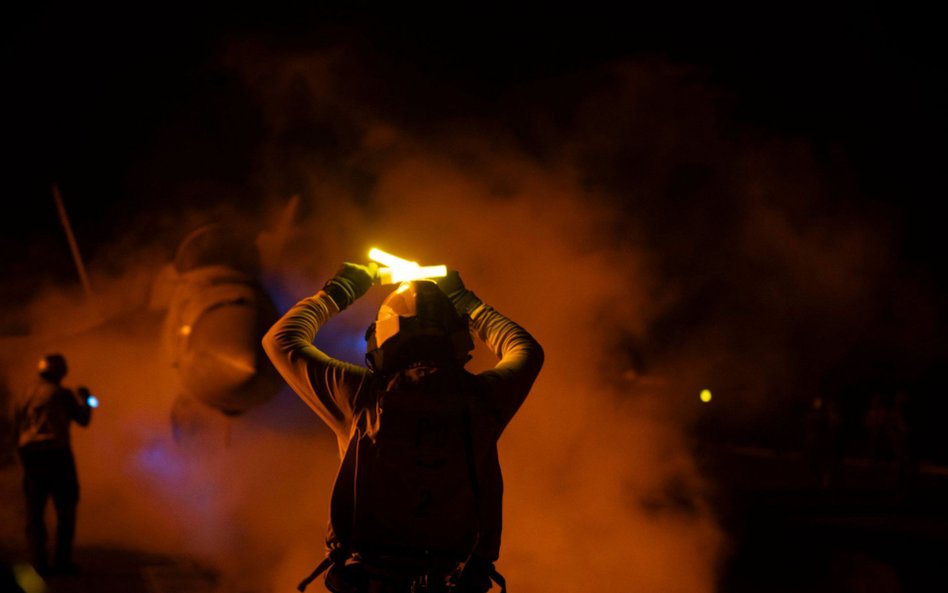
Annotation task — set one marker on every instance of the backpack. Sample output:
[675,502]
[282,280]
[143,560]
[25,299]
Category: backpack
[408,484]
[414,488]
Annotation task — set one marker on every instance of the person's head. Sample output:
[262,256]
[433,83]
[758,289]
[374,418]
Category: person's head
[417,324]
[53,367]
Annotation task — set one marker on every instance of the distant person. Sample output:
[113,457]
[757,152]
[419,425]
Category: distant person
[416,505]
[42,419]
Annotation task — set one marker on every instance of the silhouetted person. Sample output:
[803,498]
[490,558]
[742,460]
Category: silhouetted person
[42,419]
[416,505]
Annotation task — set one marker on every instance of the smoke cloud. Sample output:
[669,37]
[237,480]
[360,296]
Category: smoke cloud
[652,246]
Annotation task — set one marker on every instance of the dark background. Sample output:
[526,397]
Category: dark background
[89,89]
[94,96]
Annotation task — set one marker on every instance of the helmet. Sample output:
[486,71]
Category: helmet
[53,367]
[417,323]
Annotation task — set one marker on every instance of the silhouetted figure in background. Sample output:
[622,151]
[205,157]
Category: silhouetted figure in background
[823,441]
[416,505]
[42,419]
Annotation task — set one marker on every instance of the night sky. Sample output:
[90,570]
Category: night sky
[133,109]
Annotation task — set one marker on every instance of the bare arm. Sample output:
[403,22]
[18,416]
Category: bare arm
[79,408]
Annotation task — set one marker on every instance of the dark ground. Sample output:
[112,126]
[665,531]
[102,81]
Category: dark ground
[866,533]
[789,535]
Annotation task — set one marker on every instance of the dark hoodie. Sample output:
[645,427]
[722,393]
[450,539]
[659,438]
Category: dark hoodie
[346,396]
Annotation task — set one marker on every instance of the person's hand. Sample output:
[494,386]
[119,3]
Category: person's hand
[351,282]
[450,283]
[83,393]
[464,300]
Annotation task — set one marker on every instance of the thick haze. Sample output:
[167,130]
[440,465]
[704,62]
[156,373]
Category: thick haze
[626,213]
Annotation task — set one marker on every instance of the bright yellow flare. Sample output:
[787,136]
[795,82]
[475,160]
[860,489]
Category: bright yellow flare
[387,259]
[404,274]
[403,270]
[705,395]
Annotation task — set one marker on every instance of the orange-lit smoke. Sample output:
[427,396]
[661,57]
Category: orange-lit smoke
[585,225]
[601,491]
[635,218]
[231,498]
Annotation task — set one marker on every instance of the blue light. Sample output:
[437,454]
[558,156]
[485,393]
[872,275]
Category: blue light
[161,462]
[93,401]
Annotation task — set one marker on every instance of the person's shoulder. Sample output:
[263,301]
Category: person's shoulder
[62,393]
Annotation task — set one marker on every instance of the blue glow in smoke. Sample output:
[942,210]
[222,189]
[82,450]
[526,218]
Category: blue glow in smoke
[162,463]
[93,401]
[343,343]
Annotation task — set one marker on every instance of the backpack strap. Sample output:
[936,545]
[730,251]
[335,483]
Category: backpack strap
[483,572]
[335,556]
[320,569]
[498,578]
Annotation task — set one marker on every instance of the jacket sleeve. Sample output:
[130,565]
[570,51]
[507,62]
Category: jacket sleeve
[521,359]
[327,385]
[79,409]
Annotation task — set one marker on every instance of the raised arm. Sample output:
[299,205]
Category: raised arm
[329,386]
[520,355]
[79,408]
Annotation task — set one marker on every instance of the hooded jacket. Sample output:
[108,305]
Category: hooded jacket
[45,412]
[346,396]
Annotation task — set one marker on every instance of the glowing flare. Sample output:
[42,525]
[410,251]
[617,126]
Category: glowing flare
[705,395]
[403,270]
[387,259]
[396,275]
[93,401]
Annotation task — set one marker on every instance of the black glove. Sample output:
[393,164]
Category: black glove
[464,300]
[350,282]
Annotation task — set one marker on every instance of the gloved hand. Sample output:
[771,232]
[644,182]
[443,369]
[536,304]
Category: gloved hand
[350,282]
[463,299]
